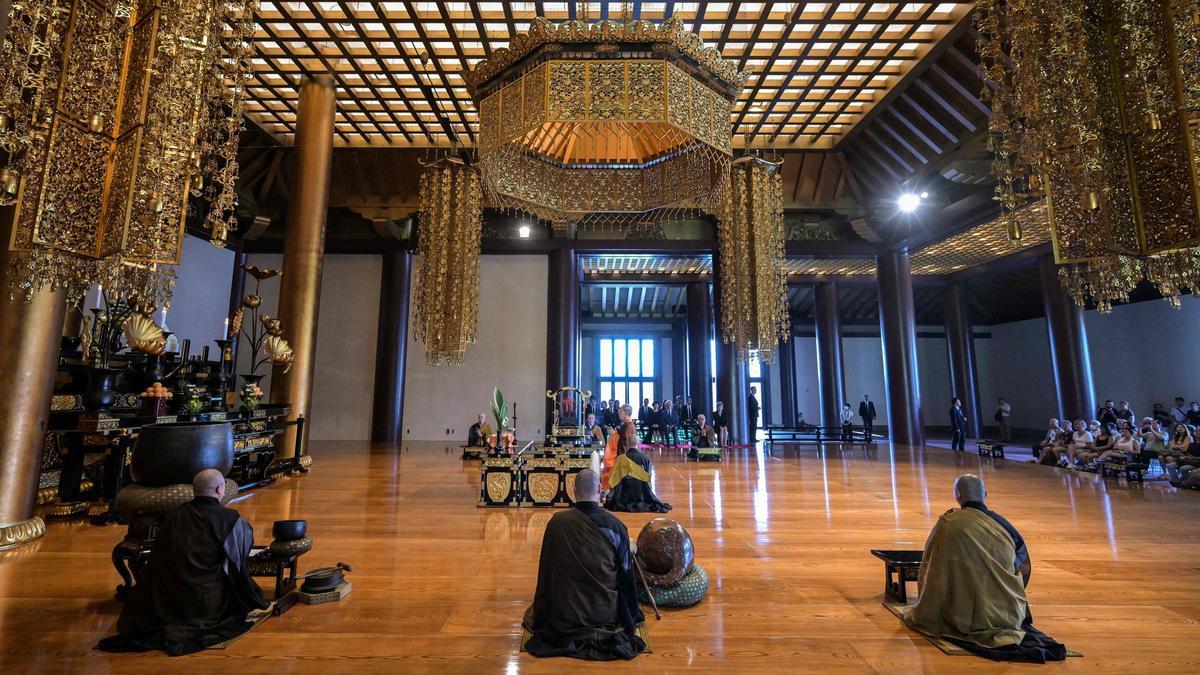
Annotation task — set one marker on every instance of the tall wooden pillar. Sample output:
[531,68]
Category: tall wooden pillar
[562,324]
[831,375]
[30,335]
[1068,346]
[897,322]
[387,416]
[699,339]
[786,362]
[731,375]
[303,249]
[960,347]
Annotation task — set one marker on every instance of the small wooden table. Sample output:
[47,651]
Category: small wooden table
[899,567]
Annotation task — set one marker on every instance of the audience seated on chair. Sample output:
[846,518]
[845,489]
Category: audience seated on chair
[974,571]
[720,423]
[706,437]
[478,434]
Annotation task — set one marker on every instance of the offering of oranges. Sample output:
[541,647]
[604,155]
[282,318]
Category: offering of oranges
[157,390]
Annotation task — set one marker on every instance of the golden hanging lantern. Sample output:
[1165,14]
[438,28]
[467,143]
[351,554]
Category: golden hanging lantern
[750,240]
[611,117]
[450,226]
[1100,99]
[109,97]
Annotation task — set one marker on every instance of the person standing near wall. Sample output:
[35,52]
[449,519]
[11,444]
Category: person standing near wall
[1003,412]
[958,425]
[752,408]
[866,410]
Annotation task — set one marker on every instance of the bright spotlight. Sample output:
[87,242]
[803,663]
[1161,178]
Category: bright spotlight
[909,202]
[523,231]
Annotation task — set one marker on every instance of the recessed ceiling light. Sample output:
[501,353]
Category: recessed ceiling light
[523,231]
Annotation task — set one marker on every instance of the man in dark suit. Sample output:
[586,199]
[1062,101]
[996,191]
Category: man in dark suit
[668,420]
[958,425]
[752,409]
[866,410]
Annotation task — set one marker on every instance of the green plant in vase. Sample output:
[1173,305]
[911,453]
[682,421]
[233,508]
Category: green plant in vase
[500,414]
[193,398]
[250,396]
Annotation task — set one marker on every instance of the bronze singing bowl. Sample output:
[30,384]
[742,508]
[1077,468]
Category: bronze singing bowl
[665,551]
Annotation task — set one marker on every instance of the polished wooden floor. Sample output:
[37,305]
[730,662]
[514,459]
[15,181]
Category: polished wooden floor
[440,585]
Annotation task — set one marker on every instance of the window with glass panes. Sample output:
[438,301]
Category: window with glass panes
[628,369]
[754,372]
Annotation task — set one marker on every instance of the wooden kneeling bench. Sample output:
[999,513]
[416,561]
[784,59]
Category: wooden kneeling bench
[1132,470]
[899,568]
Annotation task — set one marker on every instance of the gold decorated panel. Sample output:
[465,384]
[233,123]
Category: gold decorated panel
[90,78]
[511,103]
[606,89]
[647,91]
[570,484]
[137,82]
[679,98]
[499,485]
[542,462]
[498,462]
[535,97]
[76,158]
[567,91]
[120,196]
[489,123]
[543,487]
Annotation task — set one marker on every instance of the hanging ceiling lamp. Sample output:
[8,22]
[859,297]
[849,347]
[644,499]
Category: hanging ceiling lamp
[106,102]
[611,117]
[753,283]
[1096,109]
[450,224]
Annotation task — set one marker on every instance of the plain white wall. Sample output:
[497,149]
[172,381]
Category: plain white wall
[347,324]
[510,354]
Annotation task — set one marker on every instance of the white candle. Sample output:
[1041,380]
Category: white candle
[163,321]
[225,332]
[99,295]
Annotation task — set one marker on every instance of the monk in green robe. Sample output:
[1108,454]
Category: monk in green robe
[972,583]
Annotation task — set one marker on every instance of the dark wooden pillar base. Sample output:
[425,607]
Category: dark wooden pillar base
[387,416]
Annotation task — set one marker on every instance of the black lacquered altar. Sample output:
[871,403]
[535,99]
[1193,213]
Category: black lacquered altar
[543,476]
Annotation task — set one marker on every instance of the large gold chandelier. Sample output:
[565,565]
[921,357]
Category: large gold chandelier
[610,117]
[1096,109]
[448,235]
[102,105]
[753,284]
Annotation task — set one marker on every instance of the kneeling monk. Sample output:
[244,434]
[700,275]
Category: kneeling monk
[973,576]
[629,481]
[586,603]
[195,591]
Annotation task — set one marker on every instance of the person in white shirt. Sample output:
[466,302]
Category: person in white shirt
[1048,440]
[847,422]
[1081,440]
[1003,411]
[1179,414]
[1125,447]
[1154,439]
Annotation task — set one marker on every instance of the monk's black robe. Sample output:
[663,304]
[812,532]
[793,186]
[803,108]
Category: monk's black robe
[586,601]
[195,591]
[632,493]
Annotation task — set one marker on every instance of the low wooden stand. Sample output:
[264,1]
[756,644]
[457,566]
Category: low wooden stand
[899,568]
[1133,470]
[991,449]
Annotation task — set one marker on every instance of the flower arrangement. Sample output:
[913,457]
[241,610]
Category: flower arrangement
[262,333]
[250,396]
[193,398]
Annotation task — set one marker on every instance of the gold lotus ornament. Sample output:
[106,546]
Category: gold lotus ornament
[143,335]
[279,352]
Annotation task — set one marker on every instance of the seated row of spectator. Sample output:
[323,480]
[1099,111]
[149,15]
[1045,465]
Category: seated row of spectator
[1085,444]
[1181,412]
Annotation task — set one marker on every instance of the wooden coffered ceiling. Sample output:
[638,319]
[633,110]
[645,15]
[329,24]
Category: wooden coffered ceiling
[817,68]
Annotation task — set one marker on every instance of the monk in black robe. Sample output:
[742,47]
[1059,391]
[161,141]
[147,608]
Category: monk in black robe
[973,575]
[629,481]
[586,602]
[195,591]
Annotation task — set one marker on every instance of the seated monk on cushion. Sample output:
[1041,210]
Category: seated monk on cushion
[195,591]
[973,576]
[586,603]
[706,437]
[629,482]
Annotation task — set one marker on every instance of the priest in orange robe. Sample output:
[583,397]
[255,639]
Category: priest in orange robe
[625,420]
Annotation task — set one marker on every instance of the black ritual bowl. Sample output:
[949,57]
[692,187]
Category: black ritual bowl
[167,454]
[289,530]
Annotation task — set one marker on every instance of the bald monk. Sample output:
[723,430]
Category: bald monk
[586,603]
[973,575]
[195,591]
[611,450]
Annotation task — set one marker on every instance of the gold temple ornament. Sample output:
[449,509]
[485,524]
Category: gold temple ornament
[106,101]
[750,239]
[449,229]
[1096,111]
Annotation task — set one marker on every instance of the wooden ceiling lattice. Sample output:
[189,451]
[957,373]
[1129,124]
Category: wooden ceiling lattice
[816,67]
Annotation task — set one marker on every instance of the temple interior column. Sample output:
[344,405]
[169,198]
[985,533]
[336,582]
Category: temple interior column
[699,339]
[303,249]
[785,361]
[562,323]
[387,415]
[831,375]
[1069,357]
[30,335]
[960,347]
[237,291]
[731,375]
[899,331]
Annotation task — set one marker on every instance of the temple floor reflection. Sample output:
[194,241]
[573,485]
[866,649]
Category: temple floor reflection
[784,533]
